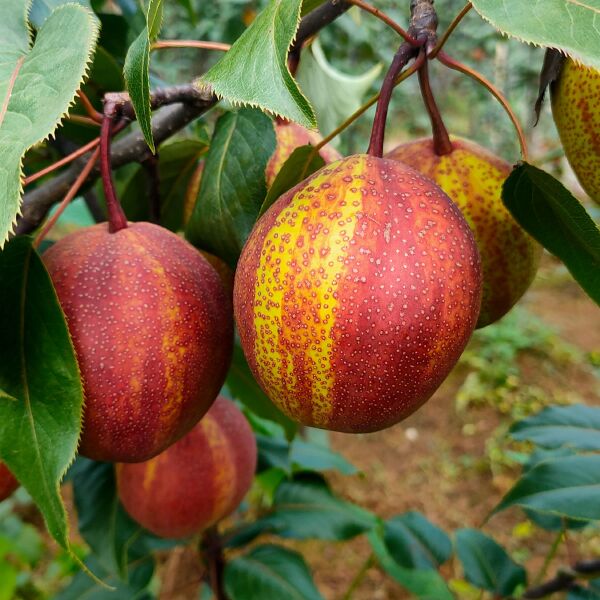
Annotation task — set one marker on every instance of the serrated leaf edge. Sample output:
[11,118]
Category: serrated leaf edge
[577,59]
[205,86]
[88,63]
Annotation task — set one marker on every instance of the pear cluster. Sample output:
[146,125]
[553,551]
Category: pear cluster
[354,296]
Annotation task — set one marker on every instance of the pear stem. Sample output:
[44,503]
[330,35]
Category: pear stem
[459,17]
[441,140]
[116,217]
[401,58]
[404,75]
[457,66]
[212,548]
[386,19]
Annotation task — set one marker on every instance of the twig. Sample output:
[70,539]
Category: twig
[160,44]
[89,107]
[386,19]
[565,578]
[82,119]
[190,102]
[457,66]
[69,196]
[459,17]
[550,556]
[212,549]
[423,25]
[63,161]
[359,577]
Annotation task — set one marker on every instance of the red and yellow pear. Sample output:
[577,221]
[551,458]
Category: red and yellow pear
[473,177]
[289,136]
[356,293]
[152,329]
[197,481]
[576,110]
[8,483]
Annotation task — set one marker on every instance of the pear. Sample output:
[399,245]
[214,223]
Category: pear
[195,482]
[356,293]
[152,329]
[473,177]
[576,110]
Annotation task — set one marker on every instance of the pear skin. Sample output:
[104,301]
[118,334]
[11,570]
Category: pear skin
[473,177]
[576,110]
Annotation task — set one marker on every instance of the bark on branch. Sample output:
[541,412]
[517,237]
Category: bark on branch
[565,579]
[186,103]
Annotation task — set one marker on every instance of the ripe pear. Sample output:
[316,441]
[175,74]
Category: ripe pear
[153,332]
[8,483]
[356,293]
[576,110]
[290,136]
[195,482]
[473,177]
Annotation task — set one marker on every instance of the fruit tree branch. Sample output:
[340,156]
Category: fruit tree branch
[423,26]
[187,103]
[565,578]
[212,549]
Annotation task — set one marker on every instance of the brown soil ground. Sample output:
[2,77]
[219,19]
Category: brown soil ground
[429,473]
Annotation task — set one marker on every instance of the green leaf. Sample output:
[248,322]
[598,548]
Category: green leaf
[233,183]
[255,72]
[116,540]
[416,543]
[137,80]
[41,9]
[243,387]
[576,426]
[299,455]
[154,19]
[544,520]
[303,161]
[38,432]
[134,588]
[550,213]
[269,571]
[570,25]
[314,457]
[487,565]
[580,593]
[424,584]
[334,95]
[8,580]
[565,486]
[310,5]
[37,85]
[137,70]
[588,593]
[305,508]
